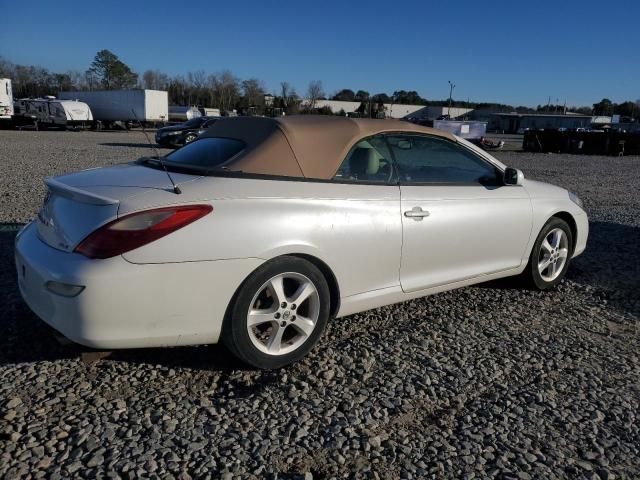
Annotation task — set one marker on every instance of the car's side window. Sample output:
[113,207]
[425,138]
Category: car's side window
[368,161]
[426,159]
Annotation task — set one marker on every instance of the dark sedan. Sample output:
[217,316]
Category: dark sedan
[176,135]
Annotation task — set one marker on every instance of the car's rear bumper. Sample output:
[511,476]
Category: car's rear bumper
[125,305]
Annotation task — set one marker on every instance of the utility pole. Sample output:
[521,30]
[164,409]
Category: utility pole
[393,99]
[451,87]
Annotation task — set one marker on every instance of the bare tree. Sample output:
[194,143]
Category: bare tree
[155,80]
[314,93]
[289,98]
[212,82]
[197,79]
[226,90]
[78,80]
[253,90]
[91,80]
[178,91]
[6,68]
[285,91]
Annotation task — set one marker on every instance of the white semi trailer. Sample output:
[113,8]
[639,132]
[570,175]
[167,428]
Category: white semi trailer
[108,106]
[6,100]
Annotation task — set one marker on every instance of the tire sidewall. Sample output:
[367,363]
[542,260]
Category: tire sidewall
[537,279]
[235,334]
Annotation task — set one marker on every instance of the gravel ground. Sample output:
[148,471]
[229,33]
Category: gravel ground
[488,381]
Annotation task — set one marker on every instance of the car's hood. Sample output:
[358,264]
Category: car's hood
[538,189]
[174,128]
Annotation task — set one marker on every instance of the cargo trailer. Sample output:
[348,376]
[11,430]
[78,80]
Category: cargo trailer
[209,112]
[129,106]
[50,112]
[6,100]
[180,113]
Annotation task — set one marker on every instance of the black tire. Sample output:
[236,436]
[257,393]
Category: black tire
[235,334]
[189,137]
[532,275]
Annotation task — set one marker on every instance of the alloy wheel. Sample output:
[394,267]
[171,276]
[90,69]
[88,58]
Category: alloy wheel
[283,313]
[553,254]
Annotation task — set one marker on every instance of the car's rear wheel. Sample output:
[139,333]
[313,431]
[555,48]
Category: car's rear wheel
[550,255]
[278,314]
[190,137]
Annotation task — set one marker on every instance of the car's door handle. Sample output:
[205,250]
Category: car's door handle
[416,213]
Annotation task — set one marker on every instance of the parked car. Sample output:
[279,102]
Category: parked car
[183,133]
[274,226]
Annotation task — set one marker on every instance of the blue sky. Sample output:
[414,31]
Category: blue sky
[517,52]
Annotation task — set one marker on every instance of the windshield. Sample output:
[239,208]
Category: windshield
[194,122]
[205,153]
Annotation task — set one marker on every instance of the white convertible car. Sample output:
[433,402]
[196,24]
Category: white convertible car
[262,229]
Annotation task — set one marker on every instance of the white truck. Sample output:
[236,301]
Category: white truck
[6,100]
[148,107]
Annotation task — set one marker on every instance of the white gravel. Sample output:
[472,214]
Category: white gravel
[489,381]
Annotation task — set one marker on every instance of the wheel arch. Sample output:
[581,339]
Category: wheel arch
[567,217]
[332,281]
[543,220]
[327,273]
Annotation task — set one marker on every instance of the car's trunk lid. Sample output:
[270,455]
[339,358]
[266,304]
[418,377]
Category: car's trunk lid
[77,204]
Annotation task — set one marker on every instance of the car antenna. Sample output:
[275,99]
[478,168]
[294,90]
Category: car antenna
[175,189]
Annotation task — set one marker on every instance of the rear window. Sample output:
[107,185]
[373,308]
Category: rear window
[205,153]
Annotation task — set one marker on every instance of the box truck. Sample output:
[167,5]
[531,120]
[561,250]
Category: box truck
[150,107]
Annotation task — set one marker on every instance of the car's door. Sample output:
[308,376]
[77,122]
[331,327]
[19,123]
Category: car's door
[459,220]
[365,204]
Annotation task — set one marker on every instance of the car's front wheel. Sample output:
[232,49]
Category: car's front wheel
[278,314]
[550,256]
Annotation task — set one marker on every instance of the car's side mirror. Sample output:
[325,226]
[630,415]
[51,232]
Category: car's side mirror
[513,176]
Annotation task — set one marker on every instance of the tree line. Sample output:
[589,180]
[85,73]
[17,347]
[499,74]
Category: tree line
[226,91]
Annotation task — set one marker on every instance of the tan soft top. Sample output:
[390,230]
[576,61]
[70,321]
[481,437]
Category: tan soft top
[310,146]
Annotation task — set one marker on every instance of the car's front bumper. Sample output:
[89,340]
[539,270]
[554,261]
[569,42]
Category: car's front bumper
[582,230]
[170,140]
[125,305]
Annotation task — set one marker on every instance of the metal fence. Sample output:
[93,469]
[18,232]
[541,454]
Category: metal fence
[586,143]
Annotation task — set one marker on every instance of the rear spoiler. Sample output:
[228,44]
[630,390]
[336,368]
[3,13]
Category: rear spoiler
[77,194]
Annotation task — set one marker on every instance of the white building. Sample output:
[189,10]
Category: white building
[393,110]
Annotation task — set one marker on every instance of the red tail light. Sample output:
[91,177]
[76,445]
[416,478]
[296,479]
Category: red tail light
[138,229]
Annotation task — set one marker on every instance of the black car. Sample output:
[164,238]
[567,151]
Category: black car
[176,135]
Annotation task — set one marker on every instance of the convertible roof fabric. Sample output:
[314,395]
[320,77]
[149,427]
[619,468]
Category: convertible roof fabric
[309,146]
